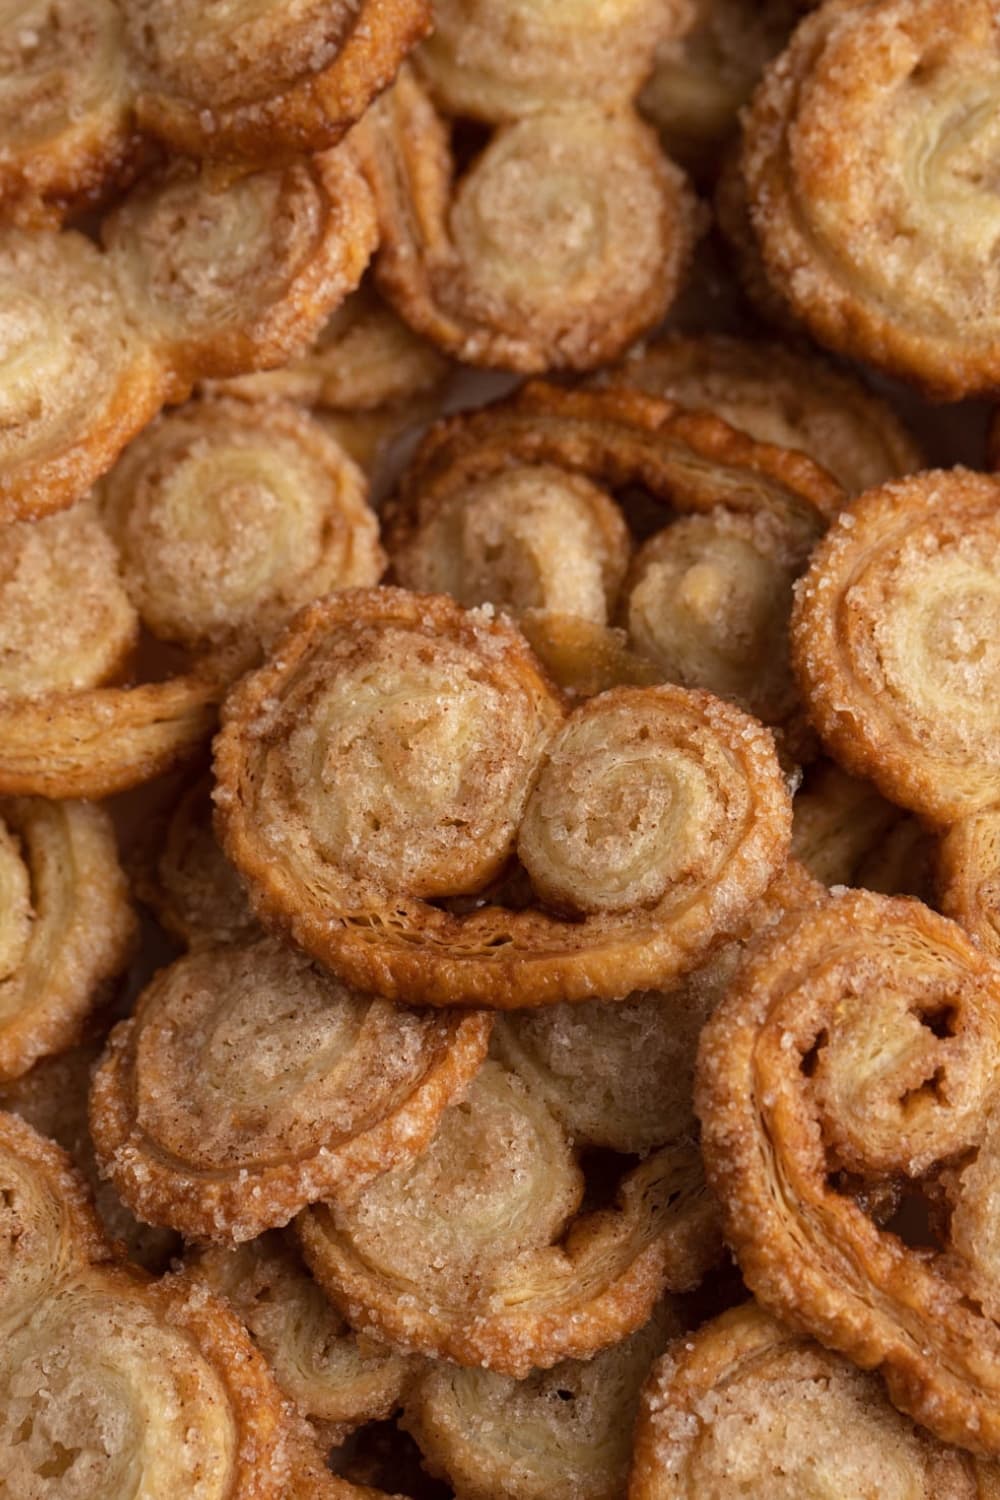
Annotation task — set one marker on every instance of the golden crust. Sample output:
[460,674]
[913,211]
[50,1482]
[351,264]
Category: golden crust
[53,1099]
[201,276]
[556,248]
[261,80]
[845,833]
[969,877]
[499,60]
[894,641]
[201,1126]
[857,1055]
[345,864]
[228,515]
[105,1375]
[66,925]
[747,1405]
[335,1379]
[781,396]
[83,81]
[914,289]
[561,1434]
[486,1259]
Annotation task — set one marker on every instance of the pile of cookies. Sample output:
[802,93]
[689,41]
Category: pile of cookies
[499,867]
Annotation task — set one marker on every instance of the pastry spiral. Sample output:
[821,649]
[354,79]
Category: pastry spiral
[556,248]
[895,641]
[498,60]
[247,1084]
[111,1384]
[53,1098]
[913,286]
[747,1406]
[335,1379]
[389,753]
[781,396]
[528,538]
[969,877]
[853,1063]
[561,1434]
[228,515]
[66,925]
[63,102]
[201,276]
[194,891]
[483,1257]
[705,74]
[846,834]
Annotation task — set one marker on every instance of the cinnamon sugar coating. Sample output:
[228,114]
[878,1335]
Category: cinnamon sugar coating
[347,861]
[83,81]
[201,275]
[852,1066]
[248,1084]
[895,639]
[486,1258]
[866,159]
[109,1379]
[559,1434]
[563,241]
[749,1406]
[66,925]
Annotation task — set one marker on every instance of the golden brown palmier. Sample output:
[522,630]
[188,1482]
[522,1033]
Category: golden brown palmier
[201,275]
[584,658]
[895,641]
[484,1257]
[451,711]
[749,1406]
[53,1098]
[912,84]
[560,1434]
[781,396]
[707,71]
[969,877]
[845,833]
[192,888]
[228,515]
[562,242]
[856,1061]
[66,925]
[109,1380]
[499,60]
[533,538]
[248,1084]
[82,80]
[336,1380]
[64,731]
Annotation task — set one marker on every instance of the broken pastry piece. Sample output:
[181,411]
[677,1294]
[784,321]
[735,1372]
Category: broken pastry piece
[912,85]
[66,925]
[398,750]
[201,275]
[848,1088]
[559,1434]
[748,1406]
[969,877]
[491,1258]
[336,1379]
[109,1379]
[846,833]
[82,81]
[895,641]
[563,241]
[248,1084]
